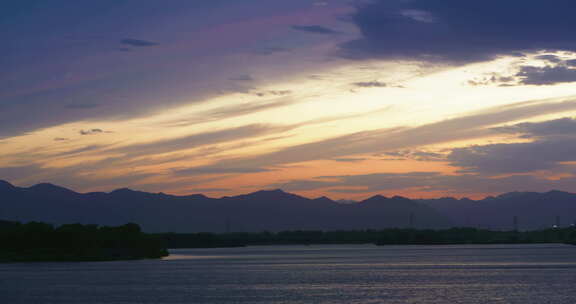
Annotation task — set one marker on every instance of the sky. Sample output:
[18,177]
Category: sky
[337,98]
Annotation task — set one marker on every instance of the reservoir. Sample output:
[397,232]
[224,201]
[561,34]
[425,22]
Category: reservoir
[347,274]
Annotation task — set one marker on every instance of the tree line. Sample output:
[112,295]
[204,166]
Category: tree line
[395,236]
[38,241]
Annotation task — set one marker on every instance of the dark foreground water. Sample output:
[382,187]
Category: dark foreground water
[493,274]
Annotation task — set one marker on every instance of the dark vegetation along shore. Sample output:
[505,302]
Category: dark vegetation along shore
[36,241]
[379,237]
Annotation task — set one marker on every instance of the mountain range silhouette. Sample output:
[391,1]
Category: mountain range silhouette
[275,210]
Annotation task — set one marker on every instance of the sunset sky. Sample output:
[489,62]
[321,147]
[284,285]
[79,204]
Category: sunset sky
[421,98]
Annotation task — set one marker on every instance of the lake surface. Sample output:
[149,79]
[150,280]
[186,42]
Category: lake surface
[523,274]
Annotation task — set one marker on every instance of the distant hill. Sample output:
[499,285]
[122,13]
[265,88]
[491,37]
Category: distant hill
[272,210]
[276,210]
[532,210]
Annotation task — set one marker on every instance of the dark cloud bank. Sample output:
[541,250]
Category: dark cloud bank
[553,145]
[461,31]
[552,70]
[548,75]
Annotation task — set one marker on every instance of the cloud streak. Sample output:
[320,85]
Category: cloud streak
[231,111]
[315,29]
[370,84]
[475,125]
[92,131]
[227,135]
[199,139]
[138,42]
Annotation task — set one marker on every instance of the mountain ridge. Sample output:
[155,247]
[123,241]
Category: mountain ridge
[275,209]
[4,184]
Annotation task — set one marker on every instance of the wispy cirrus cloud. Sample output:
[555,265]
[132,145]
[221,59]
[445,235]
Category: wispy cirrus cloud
[475,125]
[231,111]
[198,139]
[228,135]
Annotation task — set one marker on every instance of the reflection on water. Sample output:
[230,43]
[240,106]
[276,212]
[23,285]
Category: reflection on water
[537,274]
